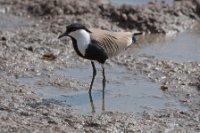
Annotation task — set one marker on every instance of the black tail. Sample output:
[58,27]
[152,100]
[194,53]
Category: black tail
[134,36]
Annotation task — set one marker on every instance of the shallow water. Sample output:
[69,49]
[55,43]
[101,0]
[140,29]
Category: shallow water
[124,92]
[138,2]
[183,47]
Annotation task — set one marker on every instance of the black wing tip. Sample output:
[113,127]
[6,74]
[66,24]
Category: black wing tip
[138,33]
[134,36]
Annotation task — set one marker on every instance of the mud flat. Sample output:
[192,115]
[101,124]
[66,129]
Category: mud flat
[40,74]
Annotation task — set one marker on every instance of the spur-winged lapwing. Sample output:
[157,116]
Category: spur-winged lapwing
[98,45]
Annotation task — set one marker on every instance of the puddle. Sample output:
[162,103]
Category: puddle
[138,2]
[10,22]
[183,47]
[78,73]
[123,93]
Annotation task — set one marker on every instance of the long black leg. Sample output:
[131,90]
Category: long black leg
[93,77]
[104,85]
[91,84]
[104,77]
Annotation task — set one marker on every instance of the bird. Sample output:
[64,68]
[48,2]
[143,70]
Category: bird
[98,45]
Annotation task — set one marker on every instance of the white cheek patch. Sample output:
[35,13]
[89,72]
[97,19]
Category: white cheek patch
[83,39]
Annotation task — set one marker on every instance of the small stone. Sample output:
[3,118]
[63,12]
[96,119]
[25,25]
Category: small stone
[124,17]
[3,38]
[185,100]
[164,88]
[30,48]
[49,57]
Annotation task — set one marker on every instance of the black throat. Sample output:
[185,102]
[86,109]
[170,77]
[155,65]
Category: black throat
[74,42]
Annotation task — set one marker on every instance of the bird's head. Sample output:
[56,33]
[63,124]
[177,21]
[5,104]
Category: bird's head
[75,30]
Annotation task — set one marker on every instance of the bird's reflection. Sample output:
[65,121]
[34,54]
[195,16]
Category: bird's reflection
[91,103]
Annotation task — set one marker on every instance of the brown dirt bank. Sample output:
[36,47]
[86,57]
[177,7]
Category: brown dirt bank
[152,18]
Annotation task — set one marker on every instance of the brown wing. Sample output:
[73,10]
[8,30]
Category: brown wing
[112,42]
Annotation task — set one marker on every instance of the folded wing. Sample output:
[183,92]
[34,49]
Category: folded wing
[112,42]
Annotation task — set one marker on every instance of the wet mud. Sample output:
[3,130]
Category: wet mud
[150,88]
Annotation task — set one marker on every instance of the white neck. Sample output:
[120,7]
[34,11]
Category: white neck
[83,39]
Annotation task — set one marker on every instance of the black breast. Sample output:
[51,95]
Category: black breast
[95,52]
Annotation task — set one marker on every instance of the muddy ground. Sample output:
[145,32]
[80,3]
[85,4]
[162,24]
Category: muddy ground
[28,34]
